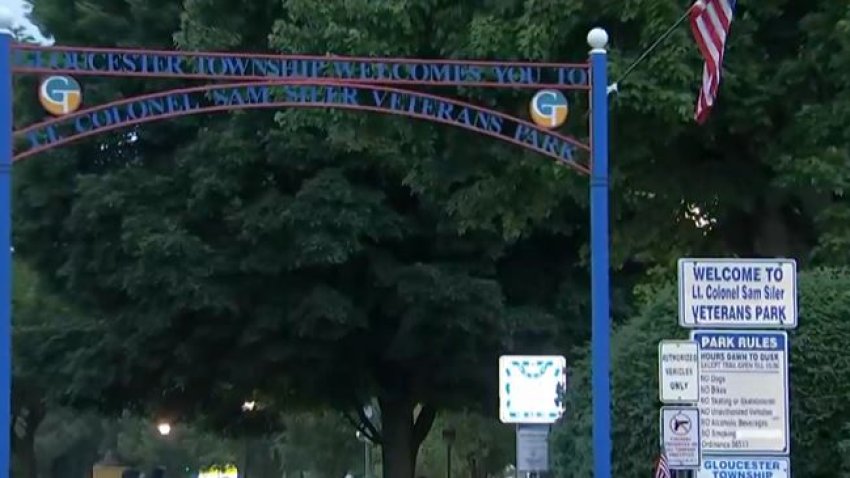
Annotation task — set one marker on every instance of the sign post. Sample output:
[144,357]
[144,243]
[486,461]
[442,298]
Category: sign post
[530,396]
[599,255]
[532,449]
[5,236]
[744,391]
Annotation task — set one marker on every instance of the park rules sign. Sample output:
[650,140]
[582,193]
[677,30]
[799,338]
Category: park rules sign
[738,293]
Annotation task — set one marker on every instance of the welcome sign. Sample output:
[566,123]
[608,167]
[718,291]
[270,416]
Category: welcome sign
[113,62]
[228,97]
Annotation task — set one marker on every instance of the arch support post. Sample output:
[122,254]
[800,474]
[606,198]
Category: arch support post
[5,240]
[599,256]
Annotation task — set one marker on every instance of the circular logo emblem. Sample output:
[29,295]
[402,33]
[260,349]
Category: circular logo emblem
[60,95]
[549,108]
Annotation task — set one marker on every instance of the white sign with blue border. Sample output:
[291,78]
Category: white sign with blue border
[744,466]
[531,388]
[738,293]
[680,436]
[743,392]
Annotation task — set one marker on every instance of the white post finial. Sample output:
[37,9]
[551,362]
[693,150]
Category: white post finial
[597,39]
[7,20]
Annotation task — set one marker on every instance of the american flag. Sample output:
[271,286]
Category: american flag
[661,468]
[710,23]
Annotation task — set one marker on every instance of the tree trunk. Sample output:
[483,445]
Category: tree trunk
[398,449]
[29,464]
[401,435]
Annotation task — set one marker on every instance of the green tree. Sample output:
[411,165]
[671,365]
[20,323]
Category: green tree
[483,446]
[41,322]
[820,372]
[300,273]
[320,443]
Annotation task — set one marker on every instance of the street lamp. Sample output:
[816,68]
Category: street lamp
[449,437]
[367,455]
[248,406]
[164,428]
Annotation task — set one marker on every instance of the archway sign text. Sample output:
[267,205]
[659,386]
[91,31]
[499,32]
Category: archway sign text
[251,81]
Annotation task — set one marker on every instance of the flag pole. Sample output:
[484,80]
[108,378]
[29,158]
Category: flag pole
[614,87]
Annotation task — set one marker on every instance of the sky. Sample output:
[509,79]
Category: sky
[19,9]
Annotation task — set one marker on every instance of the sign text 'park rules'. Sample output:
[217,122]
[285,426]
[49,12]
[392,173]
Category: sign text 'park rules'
[738,293]
[743,392]
[745,467]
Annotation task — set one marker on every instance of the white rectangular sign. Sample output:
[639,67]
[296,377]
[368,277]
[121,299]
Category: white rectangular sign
[678,371]
[738,293]
[730,467]
[680,436]
[743,392]
[532,448]
[531,388]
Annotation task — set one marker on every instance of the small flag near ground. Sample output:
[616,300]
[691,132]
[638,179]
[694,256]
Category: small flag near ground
[661,468]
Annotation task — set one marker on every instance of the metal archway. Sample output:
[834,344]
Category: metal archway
[378,74]
[297,93]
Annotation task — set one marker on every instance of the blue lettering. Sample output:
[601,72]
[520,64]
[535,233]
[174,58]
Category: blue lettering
[572,76]
[348,96]
[237,66]
[727,273]
[181,102]
[527,135]
[474,73]
[156,106]
[756,341]
[220,97]
[258,94]
[344,69]
[566,151]
[511,74]
[550,144]
[43,136]
[294,94]
[131,111]
[379,97]
[273,67]
[463,116]
[419,72]
[130,63]
[443,73]
[444,111]
[318,68]
[82,124]
[172,65]
[395,102]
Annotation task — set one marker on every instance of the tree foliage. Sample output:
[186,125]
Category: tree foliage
[820,371]
[483,447]
[319,443]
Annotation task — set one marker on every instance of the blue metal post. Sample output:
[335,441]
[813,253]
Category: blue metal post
[599,258]
[5,240]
